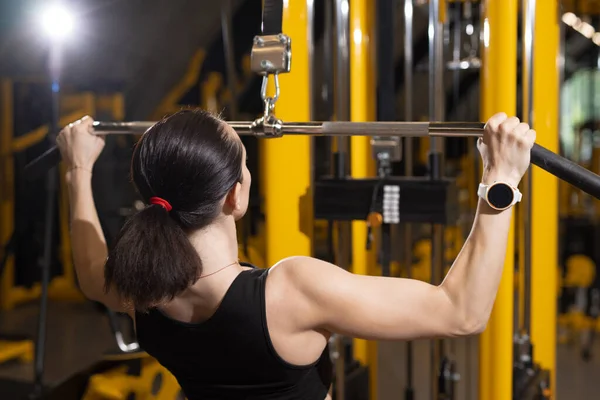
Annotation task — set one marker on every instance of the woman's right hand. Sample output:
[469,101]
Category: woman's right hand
[78,145]
[505,149]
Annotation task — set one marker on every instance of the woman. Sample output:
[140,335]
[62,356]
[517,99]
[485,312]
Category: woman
[227,331]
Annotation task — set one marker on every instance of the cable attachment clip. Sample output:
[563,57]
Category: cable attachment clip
[271,55]
[386,150]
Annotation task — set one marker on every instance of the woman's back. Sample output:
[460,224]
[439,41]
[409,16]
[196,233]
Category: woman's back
[230,355]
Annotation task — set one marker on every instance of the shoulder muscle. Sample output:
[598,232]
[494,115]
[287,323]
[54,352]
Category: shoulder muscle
[325,296]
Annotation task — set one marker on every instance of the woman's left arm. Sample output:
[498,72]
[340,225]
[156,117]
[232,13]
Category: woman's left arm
[80,148]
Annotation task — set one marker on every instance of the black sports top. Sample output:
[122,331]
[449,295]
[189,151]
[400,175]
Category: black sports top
[230,355]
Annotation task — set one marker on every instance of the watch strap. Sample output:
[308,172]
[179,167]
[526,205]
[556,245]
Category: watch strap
[481,190]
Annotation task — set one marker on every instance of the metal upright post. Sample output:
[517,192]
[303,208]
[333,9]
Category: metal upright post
[54,58]
[363,108]
[456,59]
[436,161]
[386,110]
[342,113]
[544,187]
[284,189]
[228,45]
[499,92]
[522,333]
[408,170]
[341,164]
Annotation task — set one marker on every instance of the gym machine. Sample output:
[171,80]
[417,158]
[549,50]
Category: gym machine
[340,346]
[54,67]
[580,257]
[415,200]
[407,247]
[543,158]
[530,380]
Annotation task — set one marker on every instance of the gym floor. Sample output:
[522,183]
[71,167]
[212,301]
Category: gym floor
[78,334]
[576,379]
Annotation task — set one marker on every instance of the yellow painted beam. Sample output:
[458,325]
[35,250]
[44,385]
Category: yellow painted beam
[499,93]
[188,81]
[544,193]
[113,104]
[209,93]
[35,136]
[287,161]
[362,108]
[21,350]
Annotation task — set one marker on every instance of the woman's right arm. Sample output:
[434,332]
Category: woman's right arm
[80,150]
[327,297]
[373,307]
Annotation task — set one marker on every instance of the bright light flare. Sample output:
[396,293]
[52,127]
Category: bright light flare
[58,22]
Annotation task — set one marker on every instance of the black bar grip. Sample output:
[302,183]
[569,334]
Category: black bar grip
[42,164]
[566,170]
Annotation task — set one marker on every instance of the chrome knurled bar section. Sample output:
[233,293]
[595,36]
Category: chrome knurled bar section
[328,128]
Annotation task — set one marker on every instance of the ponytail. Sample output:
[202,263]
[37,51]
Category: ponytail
[152,260]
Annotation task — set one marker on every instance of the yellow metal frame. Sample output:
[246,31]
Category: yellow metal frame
[9,350]
[209,92]
[246,76]
[61,287]
[287,191]
[362,165]
[544,190]
[21,350]
[7,185]
[113,103]
[498,93]
[117,384]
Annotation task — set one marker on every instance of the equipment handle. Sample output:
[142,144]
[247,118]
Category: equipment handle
[566,170]
[43,163]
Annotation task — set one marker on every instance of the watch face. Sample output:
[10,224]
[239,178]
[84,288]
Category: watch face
[500,195]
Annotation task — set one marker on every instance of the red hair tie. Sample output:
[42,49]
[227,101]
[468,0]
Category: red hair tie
[161,202]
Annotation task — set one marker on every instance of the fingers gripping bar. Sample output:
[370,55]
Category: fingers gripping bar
[558,166]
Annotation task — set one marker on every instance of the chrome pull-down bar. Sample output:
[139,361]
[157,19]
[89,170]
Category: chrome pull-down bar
[327,128]
[558,166]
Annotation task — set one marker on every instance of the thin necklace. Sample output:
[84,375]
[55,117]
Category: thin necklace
[219,270]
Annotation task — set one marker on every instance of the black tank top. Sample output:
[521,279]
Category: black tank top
[230,355]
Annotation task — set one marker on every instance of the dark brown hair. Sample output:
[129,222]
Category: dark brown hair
[190,160]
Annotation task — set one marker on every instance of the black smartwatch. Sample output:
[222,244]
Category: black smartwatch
[499,195]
